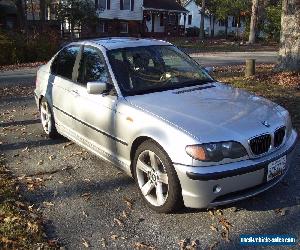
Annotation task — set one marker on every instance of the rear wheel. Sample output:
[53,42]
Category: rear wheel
[47,119]
[156,178]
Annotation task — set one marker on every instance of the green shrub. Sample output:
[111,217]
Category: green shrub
[272,25]
[192,31]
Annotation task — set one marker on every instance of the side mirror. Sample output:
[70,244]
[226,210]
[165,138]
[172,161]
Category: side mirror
[96,87]
[209,69]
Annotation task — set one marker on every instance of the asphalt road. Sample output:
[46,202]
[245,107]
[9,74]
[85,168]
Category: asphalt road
[83,199]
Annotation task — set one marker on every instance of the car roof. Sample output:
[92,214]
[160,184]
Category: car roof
[111,43]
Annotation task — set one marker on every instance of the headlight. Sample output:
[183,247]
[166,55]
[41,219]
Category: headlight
[215,152]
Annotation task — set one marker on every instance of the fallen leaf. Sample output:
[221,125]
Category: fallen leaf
[214,245]
[40,162]
[128,202]
[219,212]
[114,237]
[52,157]
[225,223]
[214,228]
[103,243]
[86,196]
[183,243]
[68,144]
[142,245]
[119,222]
[124,214]
[33,227]
[48,204]
[225,235]
[281,211]
[20,204]
[211,213]
[85,243]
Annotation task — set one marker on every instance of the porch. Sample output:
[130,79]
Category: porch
[162,18]
[162,23]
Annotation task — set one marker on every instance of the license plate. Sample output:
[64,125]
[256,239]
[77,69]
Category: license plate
[276,168]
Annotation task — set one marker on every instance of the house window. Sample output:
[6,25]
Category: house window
[172,19]
[190,19]
[123,27]
[126,4]
[161,21]
[235,22]
[102,4]
[221,23]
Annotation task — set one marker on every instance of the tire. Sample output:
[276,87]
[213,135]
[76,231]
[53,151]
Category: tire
[156,178]
[47,119]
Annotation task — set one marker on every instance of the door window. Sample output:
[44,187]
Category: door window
[64,62]
[92,67]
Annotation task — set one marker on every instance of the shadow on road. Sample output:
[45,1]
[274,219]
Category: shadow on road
[22,122]
[32,144]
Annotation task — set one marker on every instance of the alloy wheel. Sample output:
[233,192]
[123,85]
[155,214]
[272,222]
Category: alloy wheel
[46,117]
[152,178]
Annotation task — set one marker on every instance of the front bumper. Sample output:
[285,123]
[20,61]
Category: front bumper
[238,180]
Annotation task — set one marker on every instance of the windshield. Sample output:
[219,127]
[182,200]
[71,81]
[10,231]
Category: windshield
[141,70]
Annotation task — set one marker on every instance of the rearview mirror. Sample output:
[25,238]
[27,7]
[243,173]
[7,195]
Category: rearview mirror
[96,87]
[209,69]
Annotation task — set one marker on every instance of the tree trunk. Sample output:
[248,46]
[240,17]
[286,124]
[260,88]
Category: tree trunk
[22,20]
[201,33]
[213,27]
[289,52]
[226,28]
[42,10]
[253,23]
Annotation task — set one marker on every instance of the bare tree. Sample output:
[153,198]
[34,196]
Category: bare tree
[253,23]
[289,52]
[21,15]
[202,33]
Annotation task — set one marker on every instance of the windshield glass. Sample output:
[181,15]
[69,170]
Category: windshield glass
[141,70]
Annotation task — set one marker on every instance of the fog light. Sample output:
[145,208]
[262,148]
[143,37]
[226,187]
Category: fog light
[216,189]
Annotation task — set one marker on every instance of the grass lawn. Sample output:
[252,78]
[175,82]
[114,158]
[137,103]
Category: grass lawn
[193,44]
[282,88]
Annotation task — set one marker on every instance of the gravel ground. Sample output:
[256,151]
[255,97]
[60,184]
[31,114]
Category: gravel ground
[88,202]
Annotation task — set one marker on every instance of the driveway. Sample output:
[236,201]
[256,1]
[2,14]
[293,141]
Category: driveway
[88,202]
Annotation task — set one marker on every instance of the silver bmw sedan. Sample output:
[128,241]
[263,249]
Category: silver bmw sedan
[152,111]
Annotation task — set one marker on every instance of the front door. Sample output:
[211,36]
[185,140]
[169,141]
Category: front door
[95,113]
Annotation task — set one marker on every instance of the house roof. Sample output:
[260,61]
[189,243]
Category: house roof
[168,5]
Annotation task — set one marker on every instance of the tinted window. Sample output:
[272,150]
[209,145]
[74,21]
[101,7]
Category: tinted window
[92,67]
[64,62]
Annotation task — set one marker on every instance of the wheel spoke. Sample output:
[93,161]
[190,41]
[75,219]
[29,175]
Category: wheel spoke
[153,160]
[163,177]
[142,166]
[159,194]
[147,188]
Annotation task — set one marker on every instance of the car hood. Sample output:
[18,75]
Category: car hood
[212,112]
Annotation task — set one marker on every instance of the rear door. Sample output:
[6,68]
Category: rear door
[62,76]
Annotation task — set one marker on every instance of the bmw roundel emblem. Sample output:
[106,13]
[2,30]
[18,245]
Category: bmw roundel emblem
[265,123]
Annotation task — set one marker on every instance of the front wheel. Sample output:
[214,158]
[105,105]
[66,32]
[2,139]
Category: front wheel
[156,178]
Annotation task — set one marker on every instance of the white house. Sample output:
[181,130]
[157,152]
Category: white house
[139,17]
[193,18]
